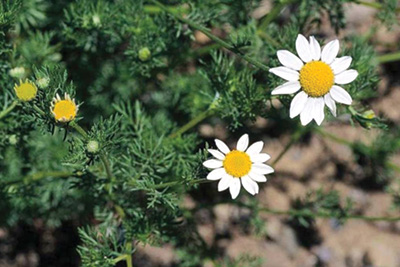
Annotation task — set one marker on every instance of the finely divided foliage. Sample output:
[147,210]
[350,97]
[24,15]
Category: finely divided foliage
[100,101]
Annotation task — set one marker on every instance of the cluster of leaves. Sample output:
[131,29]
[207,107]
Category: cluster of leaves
[374,160]
[319,203]
[388,13]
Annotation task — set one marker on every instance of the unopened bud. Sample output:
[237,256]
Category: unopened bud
[96,20]
[92,146]
[144,54]
[369,114]
[17,72]
[12,139]
[43,82]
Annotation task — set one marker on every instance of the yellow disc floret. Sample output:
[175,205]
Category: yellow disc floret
[64,110]
[25,91]
[237,163]
[316,78]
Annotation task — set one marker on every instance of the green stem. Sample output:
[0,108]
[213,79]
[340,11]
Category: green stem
[9,109]
[295,137]
[268,38]
[151,9]
[342,141]
[169,184]
[107,166]
[393,166]
[275,11]
[41,175]
[389,57]
[204,50]
[309,213]
[192,123]
[79,129]
[128,259]
[218,40]
[373,5]
[125,257]
[38,110]
[333,137]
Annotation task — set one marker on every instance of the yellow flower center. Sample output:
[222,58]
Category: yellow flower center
[316,78]
[237,163]
[64,110]
[25,91]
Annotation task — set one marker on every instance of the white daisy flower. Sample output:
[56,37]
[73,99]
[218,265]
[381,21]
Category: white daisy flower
[241,166]
[316,72]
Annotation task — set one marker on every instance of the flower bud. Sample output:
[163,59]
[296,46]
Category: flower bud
[17,72]
[96,20]
[93,146]
[12,139]
[369,114]
[43,82]
[144,54]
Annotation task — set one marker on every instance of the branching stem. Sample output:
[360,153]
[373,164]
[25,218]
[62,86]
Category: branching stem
[321,214]
[373,5]
[275,11]
[295,137]
[174,183]
[42,175]
[38,110]
[207,32]
[333,137]
[193,122]
[9,109]
[345,142]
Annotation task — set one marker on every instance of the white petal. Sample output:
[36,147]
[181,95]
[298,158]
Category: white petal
[341,64]
[262,157]
[290,60]
[255,148]
[225,182]
[319,114]
[298,103]
[285,73]
[346,77]
[212,164]
[249,185]
[307,114]
[216,174]
[257,177]
[216,154]
[243,143]
[261,168]
[330,51]
[303,48]
[330,103]
[234,188]
[222,147]
[287,88]
[340,95]
[315,48]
